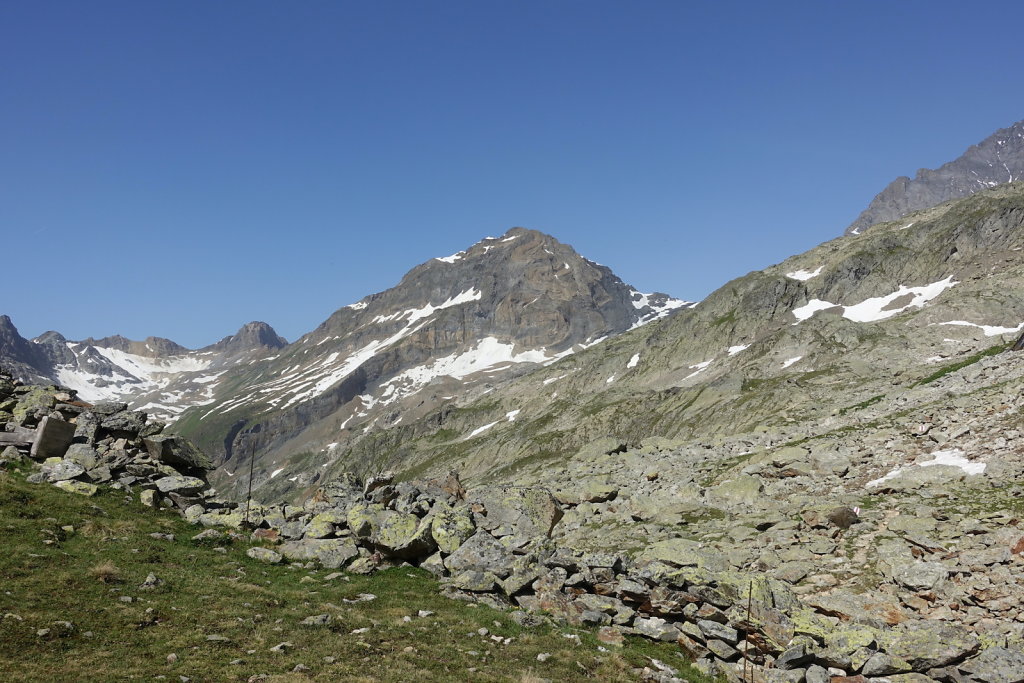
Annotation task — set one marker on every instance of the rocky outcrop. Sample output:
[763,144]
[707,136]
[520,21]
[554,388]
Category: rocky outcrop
[997,159]
[81,446]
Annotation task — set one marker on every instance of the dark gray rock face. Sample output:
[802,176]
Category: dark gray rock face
[26,360]
[254,335]
[997,159]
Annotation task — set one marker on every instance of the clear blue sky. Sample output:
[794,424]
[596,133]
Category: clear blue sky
[179,168]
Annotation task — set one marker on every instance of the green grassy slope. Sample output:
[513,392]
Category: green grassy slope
[82,560]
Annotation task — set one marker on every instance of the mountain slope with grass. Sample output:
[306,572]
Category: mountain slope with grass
[103,588]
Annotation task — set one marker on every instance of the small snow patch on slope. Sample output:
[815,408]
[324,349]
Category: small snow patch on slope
[786,363]
[877,308]
[954,457]
[480,430]
[451,259]
[633,361]
[804,275]
[733,350]
[989,330]
[511,415]
[699,368]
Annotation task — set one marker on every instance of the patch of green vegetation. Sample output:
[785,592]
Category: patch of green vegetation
[726,319]
[74,559]
[953,367]
[863,404]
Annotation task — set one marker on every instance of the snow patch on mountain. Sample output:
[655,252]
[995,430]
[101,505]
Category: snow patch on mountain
[486,355]
[480,430]
[878,308]
[953,457]
[733,350]
[988,330]
[804,275]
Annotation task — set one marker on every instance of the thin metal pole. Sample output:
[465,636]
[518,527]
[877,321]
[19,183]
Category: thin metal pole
[746,639]
[248,498]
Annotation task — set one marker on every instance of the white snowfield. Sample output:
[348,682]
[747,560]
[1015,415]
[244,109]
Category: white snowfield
[133,374]
[633,361]
[804,275]
[954,457]
[877,308]
[733,350]
[789,361]
[488,354]
[298,384]
[988,330]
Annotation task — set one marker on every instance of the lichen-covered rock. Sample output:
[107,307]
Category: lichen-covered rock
[264,555]
[474,581]
[682,552]
[741,490]
[80,487]
[929,644]
[232,519]
[62,470]
[451,527]
[363,518]
[403,536]
[483,552]
[36,398]
[324,524]
[332,553]
[516,510]
[180,484]
[996,665]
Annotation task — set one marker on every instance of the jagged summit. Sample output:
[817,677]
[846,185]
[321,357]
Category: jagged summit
[253,335]
[995,160]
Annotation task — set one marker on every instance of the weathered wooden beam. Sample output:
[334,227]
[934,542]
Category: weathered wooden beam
[52,438]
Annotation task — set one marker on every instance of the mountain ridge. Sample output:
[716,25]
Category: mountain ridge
[997,159]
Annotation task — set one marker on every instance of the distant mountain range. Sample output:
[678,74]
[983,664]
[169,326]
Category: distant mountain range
[997,159]
[505,358]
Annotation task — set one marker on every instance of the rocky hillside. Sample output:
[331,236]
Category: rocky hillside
[811,346]
[917,575]
[997,159]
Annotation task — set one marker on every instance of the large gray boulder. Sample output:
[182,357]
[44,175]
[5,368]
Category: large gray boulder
[516,510]
[481,552]
[177,451]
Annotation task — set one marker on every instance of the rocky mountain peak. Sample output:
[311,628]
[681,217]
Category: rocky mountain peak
[251,336]
[995,160]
